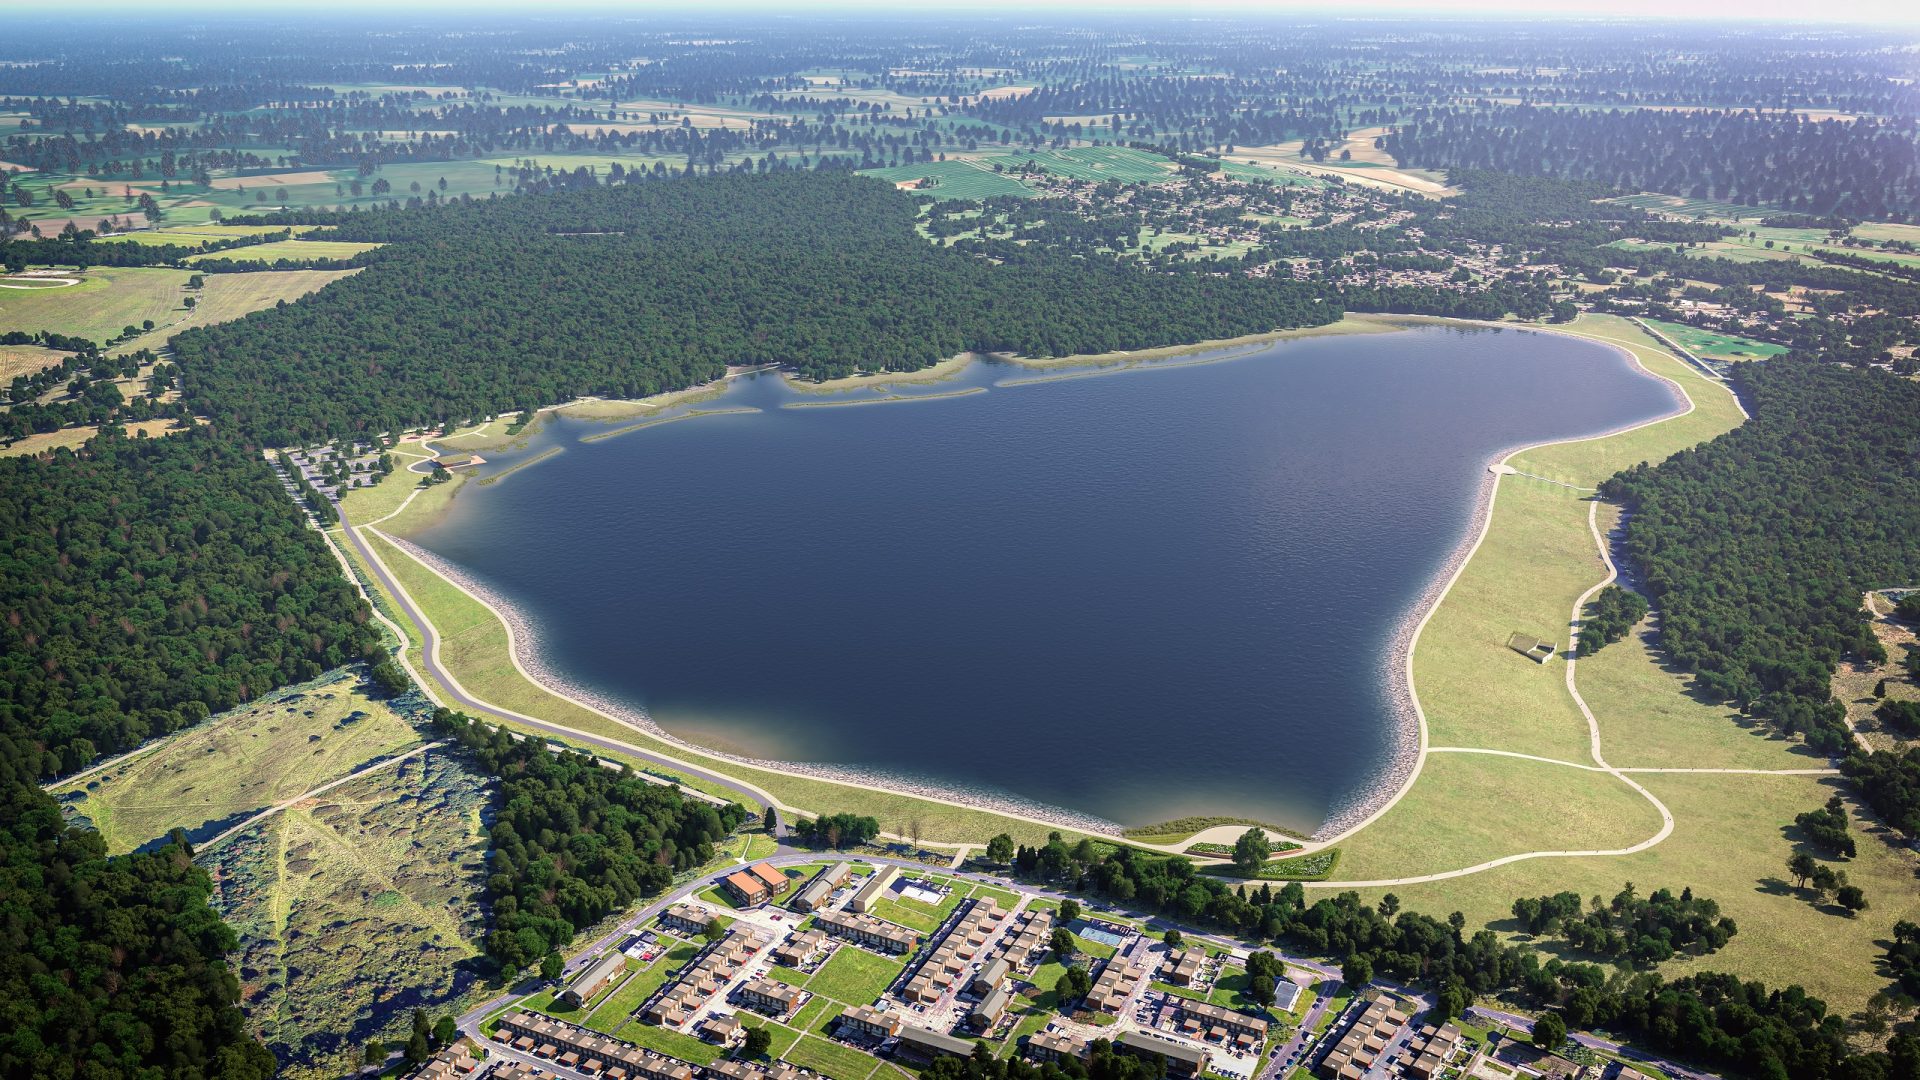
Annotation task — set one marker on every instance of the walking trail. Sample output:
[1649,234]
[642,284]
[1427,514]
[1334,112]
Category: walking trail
[1599,763]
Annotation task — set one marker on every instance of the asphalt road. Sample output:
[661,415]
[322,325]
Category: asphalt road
[1594,1042]
[449,688]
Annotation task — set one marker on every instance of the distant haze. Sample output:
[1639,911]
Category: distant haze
[1856,11]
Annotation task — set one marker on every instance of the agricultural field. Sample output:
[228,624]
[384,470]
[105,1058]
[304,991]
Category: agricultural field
[210,776]
[289,249]
[189,235]
[1695,208]
[16,360]
[1714,345]
[108,299]
[1094,163]
[356,908]
[955,179]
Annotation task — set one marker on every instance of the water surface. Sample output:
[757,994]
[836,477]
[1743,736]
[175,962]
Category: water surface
[1169,591]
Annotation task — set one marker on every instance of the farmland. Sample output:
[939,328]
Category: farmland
[955,180]
[289,249]
[1699,208]
[109,299]
[270,750]
[1093,163]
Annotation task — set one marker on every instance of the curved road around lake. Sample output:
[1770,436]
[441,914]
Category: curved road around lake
[429,661]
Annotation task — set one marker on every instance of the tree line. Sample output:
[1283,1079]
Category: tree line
[1864,168]
[633,289]
[1715,1020]
[148,583]
[574,841]
[1758,546]
[1641,930]
[109,966]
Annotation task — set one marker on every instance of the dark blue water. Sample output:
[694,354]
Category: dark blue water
[1163,592]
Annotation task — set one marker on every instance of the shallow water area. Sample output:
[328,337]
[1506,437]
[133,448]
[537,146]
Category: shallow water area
[1131,592]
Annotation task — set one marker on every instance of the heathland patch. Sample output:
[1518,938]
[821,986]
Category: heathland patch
[356,908]
[265,752]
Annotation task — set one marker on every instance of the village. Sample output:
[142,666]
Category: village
[746,977]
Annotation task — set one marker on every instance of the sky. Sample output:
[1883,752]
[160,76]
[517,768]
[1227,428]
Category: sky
[1903,12]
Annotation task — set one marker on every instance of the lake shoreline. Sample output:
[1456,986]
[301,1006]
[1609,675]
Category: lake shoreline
[1392,778]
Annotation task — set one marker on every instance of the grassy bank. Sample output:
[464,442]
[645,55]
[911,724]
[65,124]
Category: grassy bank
[1732,833]
[475,646]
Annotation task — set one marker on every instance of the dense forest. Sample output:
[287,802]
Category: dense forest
[1758,546]
[574,841]
[1862,168]
[108,967]
[147,583]
[633,289]
[1719,1021]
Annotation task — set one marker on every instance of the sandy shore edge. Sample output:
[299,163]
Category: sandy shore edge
[1396,775]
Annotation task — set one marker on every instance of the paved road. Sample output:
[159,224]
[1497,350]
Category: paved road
[1276,1065]
[450,688]
[1595,1042]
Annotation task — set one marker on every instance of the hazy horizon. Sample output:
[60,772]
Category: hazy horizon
[1882,12]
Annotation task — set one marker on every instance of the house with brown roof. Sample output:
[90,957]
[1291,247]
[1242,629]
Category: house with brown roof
[771,996]
[1115,986]
[869,1021]
[1182,967]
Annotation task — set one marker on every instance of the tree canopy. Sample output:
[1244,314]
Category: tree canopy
[149,582]
[636,288]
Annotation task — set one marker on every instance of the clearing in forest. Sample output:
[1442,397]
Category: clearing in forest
[216,773]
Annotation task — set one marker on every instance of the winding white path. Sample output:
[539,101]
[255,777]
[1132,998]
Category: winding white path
[384,763]
[1600,764]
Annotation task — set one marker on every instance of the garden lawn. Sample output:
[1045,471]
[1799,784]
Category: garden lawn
[854,976]
[831,1059]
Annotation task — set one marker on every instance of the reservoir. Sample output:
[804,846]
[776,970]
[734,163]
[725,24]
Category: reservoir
[1135,593]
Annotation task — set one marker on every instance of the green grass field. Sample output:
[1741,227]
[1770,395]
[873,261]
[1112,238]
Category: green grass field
[831,1059]
[955,179]
[239,762]
[1715,345]
[614,1010]
[1094,163]
[289,249]
[855,976]
[915,915]
[671,1043]
[1729,841]
[109,299]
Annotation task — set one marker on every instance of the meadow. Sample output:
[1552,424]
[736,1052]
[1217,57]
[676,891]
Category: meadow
[1714,345]
[111,298]
[1094,163]
[955,179]
[288,249]
[205,778]
[1733,831]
